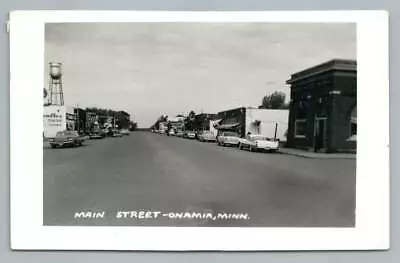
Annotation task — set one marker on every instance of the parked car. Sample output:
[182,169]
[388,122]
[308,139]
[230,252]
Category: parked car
[191,135]
[66,139]
[116,133]
[207,136]
[258,142]
[124,132]
[97,135]
[108,132]
[171,132]
[228,138]
[179,133]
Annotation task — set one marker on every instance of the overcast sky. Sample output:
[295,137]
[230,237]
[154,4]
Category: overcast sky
[149,69]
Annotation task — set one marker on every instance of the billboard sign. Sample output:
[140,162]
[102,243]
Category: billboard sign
[54,120]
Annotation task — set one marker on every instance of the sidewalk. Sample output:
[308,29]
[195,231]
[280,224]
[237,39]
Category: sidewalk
[307,154]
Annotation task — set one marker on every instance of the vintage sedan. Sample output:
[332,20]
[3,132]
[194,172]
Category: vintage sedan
[259,143]
[228,138]
[207,136]
[179,133]
[191,135]
[116,133]
[124,132]
[171,132]
[66,139]
[98,134]
[108,132]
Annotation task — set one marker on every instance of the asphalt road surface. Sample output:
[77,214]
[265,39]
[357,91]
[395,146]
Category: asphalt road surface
[147,179]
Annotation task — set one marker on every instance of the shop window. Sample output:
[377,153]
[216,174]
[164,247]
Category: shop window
[353,129]
[353,122]
[353,125]
[301,110]
[300,128]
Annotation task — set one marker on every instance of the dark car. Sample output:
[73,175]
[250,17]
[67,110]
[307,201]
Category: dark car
[116,133]
[66,139]
[99,134]
[108,132]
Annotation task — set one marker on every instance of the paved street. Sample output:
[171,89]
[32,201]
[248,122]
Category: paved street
[150,172]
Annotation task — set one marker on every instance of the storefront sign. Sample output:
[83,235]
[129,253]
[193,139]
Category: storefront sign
[54,120]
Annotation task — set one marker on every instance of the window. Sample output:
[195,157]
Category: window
[353,125]
[300,128]
[353,129]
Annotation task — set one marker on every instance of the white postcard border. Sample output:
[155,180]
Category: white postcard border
[26,152]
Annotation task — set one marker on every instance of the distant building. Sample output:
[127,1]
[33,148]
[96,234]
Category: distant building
[80,119]
[163,126]
[70,118]
[267,122]
[203,121]
[176,123]
[91,120]
[323,107]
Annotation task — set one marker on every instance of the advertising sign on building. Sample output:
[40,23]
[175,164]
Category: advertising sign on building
[54,120]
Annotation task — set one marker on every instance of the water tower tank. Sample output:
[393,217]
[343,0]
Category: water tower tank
[55,70]
[55,84]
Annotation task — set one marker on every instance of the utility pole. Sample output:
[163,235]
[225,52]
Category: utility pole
[77,117]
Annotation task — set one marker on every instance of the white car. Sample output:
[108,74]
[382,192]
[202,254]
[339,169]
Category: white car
[258,143]
[191,135]
[124,131]
[207,136]
[228,138]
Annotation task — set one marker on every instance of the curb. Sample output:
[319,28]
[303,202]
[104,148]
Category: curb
[318,157]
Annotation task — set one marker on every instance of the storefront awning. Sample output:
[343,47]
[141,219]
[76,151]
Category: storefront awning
[227,126]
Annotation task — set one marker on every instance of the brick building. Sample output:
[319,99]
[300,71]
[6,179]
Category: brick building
[323,107]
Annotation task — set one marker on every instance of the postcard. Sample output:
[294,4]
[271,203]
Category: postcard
[191,131]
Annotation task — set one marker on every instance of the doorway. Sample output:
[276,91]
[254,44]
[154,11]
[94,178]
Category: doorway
[320,134]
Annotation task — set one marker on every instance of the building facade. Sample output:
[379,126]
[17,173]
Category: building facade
[91,121]
[80,119]
[203,120]
[323,107]
[70,125]
[267,122]
[176,123]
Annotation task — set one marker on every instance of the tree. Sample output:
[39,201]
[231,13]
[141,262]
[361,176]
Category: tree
[275,100]
[189,121]
[132,126]
[122,119]
[191,115]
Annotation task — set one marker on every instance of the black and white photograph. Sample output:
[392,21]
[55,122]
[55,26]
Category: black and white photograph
[202,125]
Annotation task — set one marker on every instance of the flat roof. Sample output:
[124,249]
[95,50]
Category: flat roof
[333,64]
[251,108]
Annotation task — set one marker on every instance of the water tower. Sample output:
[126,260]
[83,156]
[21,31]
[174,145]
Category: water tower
[55,84]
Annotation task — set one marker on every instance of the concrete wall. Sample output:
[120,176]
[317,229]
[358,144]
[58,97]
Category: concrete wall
[268,119]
